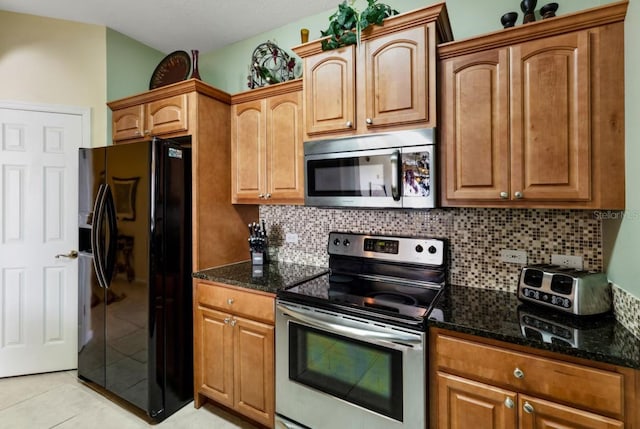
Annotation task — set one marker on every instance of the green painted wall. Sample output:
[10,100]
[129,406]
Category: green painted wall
[129,68]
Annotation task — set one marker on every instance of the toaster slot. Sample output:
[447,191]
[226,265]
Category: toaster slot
[533,278]
[562,284]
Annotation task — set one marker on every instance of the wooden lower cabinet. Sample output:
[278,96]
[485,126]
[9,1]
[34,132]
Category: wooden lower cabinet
[464,403]
[234,355]
[480,383]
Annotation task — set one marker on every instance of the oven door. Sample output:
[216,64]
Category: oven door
[334,371]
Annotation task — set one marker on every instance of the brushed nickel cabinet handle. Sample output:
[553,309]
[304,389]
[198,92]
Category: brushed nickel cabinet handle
[233,322]
[528,408]
[518,373]
[504,195]
[349,124]
[230,301]
[518,195]
[369,121]
[509,403]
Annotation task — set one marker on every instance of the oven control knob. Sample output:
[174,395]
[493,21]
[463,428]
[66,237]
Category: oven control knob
[419,248]
[346,242]
[336,242]
[432,249]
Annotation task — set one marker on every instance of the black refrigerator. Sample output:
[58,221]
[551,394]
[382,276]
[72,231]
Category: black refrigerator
[135,334]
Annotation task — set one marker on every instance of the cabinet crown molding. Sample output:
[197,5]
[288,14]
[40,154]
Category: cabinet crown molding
[581,20]
[184,87]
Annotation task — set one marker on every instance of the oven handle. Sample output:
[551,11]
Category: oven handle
[373,333]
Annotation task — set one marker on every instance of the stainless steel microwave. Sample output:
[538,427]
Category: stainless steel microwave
[390,170]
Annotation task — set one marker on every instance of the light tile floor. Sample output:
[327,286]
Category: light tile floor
[58,400]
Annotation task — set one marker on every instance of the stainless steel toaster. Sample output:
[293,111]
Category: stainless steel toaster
[566,289]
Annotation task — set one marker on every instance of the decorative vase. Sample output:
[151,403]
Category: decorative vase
[509,19]
[195,74]
[548,10]
[528,8]
[304,35]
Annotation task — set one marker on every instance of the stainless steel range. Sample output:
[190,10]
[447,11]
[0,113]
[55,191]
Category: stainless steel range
[351,344]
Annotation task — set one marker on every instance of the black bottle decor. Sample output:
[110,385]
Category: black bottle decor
[528,8]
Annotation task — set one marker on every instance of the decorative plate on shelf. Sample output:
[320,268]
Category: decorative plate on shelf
[173,68]
[270,64]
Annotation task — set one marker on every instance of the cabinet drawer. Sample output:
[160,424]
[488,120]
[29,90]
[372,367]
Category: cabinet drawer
[244,303]
[590,388]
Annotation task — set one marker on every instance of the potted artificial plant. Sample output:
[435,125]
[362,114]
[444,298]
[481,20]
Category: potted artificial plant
[347,19]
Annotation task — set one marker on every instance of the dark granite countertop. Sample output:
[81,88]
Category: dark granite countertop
[266,278]
[501,316]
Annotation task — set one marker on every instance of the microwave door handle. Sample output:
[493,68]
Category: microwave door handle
[395,175]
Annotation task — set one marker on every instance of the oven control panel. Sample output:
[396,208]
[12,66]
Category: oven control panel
[415,250]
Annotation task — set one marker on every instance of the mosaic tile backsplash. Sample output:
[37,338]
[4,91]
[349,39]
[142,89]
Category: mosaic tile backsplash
[476,237]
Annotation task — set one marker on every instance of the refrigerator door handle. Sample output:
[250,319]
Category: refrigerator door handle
[96,242]
[110,257]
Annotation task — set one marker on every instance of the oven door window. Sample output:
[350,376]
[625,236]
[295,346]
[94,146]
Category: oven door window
[361,373]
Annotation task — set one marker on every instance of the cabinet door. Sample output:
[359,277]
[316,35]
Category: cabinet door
[128,123]
[329,91]
[464,403]
[398,78]
[254,370]
[166,116]
[285,156]
[539,414]
[475,134]
[213,347]
[551,118]
[248,145]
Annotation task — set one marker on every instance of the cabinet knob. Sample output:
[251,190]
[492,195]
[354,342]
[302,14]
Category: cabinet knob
[267,196]
[349,124]
[369,121]
[518,195]
[518,373]
[230,301]
[504,195]
[509,403]
[260,195]
[226,320]
[138,133]
[147,132]
[233,322]
[528,408]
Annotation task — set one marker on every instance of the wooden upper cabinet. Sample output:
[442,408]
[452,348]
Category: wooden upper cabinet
[267,146]
[551,118]
[533,116]
[330,93]
[167,116]
[398,84]
[476,125]
[387,83]
[156,118]
[128,123]
[248,149]
[285,154]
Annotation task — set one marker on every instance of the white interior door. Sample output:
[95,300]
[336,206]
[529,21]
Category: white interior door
[38,220]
